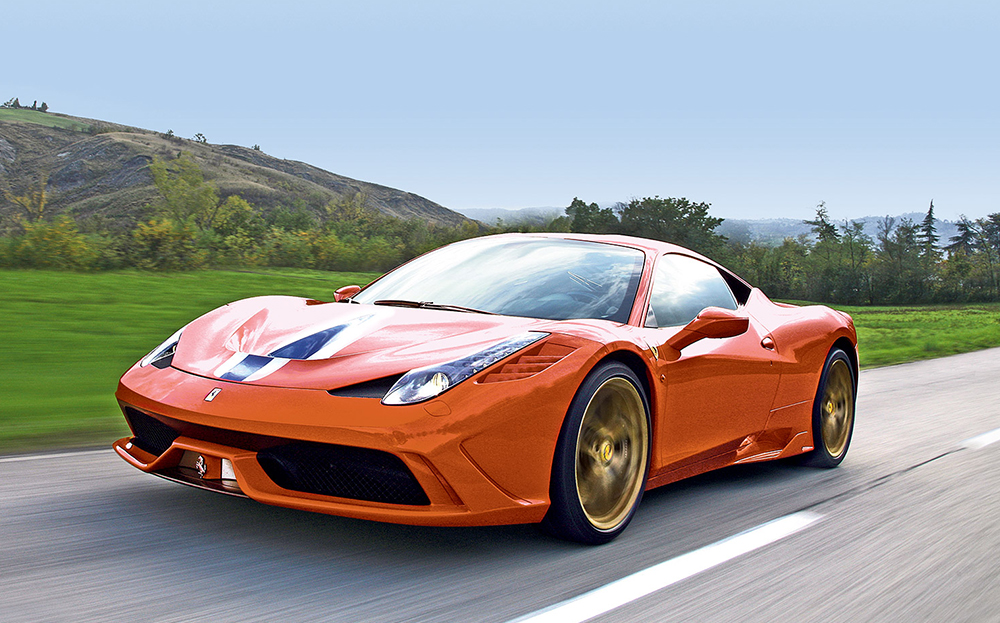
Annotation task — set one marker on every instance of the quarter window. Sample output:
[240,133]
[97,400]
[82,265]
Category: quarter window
[682,287]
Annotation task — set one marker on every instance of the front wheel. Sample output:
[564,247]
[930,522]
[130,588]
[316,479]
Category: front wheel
[833,412]
[602,458]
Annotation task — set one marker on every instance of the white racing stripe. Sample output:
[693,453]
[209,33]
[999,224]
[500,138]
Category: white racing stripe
[981,441]
[59,455]
[230,363]
[660,576]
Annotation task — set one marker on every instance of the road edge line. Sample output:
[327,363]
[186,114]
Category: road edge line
[620,592]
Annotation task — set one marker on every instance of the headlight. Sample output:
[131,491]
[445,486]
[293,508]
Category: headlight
[425,383]
[164,350]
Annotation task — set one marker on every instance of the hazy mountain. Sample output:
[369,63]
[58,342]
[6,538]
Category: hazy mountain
[526,216]
[773,231]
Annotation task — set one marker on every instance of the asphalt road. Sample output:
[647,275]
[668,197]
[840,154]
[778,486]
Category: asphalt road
[909,530]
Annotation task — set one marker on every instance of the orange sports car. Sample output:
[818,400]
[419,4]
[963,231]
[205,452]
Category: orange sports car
[506,379]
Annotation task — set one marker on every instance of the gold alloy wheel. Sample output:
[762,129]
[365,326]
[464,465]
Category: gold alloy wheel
[837,408]
[611,451]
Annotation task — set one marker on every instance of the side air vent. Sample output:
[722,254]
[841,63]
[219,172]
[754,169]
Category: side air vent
[528,364]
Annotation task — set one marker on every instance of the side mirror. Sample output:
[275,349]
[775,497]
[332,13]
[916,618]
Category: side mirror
[711,322]
[345,293]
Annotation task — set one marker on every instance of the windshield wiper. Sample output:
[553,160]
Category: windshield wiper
[430,305]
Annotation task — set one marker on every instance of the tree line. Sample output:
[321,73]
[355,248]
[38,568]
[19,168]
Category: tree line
[190,226]
[906,261]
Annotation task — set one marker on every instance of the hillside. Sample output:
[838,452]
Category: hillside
[96,168]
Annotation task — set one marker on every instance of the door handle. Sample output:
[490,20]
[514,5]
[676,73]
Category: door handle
[767,342]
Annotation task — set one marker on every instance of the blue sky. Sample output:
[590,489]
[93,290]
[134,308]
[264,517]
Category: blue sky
[762,110]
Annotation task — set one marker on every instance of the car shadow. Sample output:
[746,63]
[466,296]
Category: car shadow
[756,491]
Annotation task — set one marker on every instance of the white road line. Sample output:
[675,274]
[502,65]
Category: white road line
[981,441]
[39,457]
[662,575]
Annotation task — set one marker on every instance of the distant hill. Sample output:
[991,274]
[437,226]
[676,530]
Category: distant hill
[101,168]
[523,216]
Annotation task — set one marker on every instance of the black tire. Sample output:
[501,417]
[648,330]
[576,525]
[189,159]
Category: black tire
[833,412]
[602,458]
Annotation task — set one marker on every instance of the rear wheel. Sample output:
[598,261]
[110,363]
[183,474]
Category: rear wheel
[833,412]
[602,458]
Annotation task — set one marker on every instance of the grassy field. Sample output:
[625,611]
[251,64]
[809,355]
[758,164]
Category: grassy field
[48,120]
[888,335]
[65,338]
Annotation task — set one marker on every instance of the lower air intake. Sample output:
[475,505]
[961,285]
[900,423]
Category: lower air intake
[343,472]
[151,435]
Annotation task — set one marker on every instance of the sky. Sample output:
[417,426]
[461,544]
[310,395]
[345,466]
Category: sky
[763,109]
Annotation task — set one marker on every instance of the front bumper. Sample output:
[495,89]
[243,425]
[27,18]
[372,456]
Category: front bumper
[482,453]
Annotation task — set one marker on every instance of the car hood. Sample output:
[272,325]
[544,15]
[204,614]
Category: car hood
[293,342]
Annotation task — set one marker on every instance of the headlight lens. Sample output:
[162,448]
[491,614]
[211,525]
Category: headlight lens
[166,349]
[425,383]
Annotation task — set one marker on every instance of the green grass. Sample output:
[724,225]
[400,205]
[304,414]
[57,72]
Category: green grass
[65,338]
[48,120]
[890,335]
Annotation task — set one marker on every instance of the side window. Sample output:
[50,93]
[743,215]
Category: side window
[682,287]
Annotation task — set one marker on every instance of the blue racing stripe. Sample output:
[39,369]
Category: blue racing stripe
[249,365]
[309,345]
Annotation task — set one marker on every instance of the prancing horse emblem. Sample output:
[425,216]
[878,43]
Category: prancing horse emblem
[212,394]
[201,466]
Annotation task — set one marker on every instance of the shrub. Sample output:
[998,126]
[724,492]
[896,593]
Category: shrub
[163,244]
[58,244]
[288,248]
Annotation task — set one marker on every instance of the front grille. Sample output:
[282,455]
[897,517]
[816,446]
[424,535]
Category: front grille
[151,435]
[343,472]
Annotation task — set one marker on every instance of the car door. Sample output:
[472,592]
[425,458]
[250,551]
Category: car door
[718,390]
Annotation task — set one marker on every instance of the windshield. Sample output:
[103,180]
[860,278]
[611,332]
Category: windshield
[534,277]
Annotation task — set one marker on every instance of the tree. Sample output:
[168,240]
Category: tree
[928,237]
[987,235]
[44,107]
[187,197]
[856,284]
[825,230]
[351,210]
[200,138]
[673,220]
[34,203]
[898,269]
[591,218]
[965,241]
